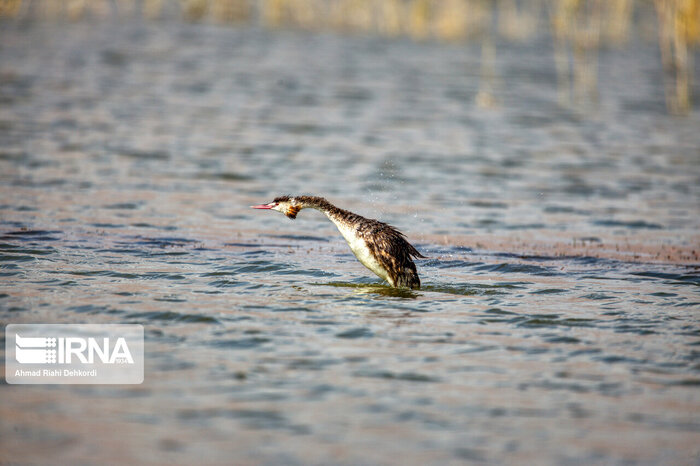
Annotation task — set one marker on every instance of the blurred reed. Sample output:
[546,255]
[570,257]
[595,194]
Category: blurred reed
[579,28]
[679,27]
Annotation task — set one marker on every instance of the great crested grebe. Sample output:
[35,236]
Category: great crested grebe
[378,246]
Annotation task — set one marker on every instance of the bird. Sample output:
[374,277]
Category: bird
[377,245]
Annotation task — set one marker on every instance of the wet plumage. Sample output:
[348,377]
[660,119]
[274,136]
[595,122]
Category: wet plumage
[377,245]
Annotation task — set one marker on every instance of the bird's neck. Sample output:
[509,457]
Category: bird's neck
[335,214]
[347,224]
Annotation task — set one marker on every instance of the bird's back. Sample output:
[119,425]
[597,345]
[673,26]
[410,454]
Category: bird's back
[380,247]
[393,252]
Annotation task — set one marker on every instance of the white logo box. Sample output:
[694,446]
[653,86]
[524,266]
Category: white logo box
[74,353]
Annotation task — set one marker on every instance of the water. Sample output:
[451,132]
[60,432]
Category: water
[558,321]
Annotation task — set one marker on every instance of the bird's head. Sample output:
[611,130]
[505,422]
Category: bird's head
[289,206]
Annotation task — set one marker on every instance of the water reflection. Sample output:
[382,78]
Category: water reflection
[376,289]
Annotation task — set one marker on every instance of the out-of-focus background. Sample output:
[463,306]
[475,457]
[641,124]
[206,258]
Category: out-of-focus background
[579,29]
[543,155]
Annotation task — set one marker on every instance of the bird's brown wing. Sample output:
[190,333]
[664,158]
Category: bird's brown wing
[391,249]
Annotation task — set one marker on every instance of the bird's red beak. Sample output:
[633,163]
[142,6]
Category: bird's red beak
[262,206]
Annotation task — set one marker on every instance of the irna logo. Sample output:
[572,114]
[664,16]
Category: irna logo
[74,353]
[60,350]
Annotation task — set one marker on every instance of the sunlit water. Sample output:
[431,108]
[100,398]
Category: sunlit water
[129,155]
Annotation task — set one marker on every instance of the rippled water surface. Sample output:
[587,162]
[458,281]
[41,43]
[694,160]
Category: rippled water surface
[558,320]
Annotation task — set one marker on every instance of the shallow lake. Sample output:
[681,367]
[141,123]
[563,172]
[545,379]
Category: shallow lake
[558,320]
